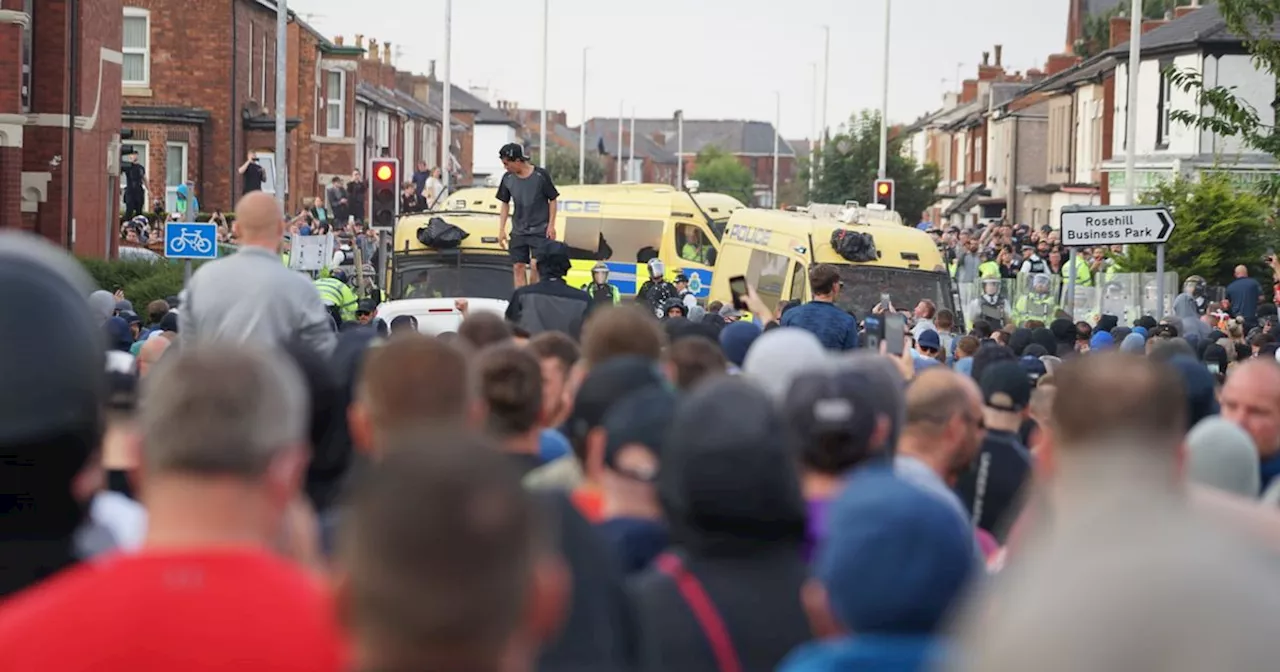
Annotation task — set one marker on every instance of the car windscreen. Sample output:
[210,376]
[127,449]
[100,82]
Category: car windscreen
[864,285]
[448,281]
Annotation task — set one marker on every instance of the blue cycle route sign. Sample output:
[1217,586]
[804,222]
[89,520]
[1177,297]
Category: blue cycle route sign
[190,240]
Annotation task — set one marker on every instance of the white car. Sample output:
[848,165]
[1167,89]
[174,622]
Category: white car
[437,316]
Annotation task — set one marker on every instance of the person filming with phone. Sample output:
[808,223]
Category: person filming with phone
[836,329]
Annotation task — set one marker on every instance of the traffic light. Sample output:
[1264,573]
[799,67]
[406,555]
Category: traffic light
[386,193]
[884,193]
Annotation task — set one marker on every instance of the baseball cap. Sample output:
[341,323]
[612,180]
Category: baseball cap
[822,403]
[169,322]
[130,317]
[1033,367]
[366,306]
[929,339]
[605,385]
[513,151]
[1005,386]
[640,418]
[896,558]
[681,278]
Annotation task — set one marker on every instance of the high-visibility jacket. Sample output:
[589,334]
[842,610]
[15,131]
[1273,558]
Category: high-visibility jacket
[334,292]
[596,292]
[1084,277]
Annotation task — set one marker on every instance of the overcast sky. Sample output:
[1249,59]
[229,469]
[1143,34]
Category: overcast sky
[712,58]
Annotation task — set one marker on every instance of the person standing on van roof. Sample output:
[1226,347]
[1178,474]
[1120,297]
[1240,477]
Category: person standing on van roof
[535,197]
[836,329]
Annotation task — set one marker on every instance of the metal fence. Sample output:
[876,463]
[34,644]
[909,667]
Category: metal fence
[1127,296]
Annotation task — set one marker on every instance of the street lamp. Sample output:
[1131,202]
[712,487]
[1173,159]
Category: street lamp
[884,99]
[631,148]
[582,128]
[446,126]
[619,161]
[542,120]
[777,140]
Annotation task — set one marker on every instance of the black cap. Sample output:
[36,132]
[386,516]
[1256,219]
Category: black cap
[606,385]
[641,418]
[366,306]
[1005,387]
[513,151]
[169,322]
[822,403]
[53,376]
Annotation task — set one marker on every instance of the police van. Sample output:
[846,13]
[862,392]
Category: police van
[626,225]
[775,249]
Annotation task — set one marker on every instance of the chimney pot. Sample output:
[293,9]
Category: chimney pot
[431,69]
[386,53]
[999,54]
[360,40]
[986,58]
[338,40]
[373,49]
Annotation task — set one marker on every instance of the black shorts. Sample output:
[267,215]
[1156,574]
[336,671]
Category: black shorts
[524,248]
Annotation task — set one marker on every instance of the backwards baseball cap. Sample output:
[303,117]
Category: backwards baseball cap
[1005,387]
[605,385]
[513,151]
[641,418]
[823,404]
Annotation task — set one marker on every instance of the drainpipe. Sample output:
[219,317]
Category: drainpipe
[1012,202]
[233,118]
[73,103]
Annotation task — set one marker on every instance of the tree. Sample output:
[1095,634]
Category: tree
[715,170]
[851,161]
[1216,227]
[562,163]
[1095,35]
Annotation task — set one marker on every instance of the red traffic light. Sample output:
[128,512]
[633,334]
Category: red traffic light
[383,173]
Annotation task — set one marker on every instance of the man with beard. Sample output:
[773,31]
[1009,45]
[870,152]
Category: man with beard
[50,410]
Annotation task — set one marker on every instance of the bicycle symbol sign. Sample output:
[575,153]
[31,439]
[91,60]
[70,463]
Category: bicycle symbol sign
[190,240]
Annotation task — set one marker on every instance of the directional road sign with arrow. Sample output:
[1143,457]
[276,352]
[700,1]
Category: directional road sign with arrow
[1084,226]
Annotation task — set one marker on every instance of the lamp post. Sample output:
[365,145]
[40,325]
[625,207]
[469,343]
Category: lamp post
[582,128]
[446,125]
[542,118]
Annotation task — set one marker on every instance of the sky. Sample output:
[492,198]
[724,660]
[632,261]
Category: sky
[715,59]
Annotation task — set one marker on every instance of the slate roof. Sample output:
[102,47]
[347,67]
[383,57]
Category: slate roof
[1203,27]
[462,100]
[604,132]
[733,136]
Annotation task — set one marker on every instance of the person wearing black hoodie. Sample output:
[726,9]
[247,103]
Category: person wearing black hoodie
[51,408]
[728,596]
[1064,333]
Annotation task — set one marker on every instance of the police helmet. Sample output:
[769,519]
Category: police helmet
[657,269]
[55,376]
[600,267]
[1040,281]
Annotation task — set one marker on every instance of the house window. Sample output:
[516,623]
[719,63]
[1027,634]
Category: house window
[136,47]
[268,162]
[384,131]
[142,148]
[430,145]
[175,173]
[335,103]
[24,93]
[1164,108]
[979,158]
[408,160]
[262,83]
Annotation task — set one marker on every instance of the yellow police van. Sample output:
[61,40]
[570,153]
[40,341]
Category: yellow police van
[774,249]
[626,225]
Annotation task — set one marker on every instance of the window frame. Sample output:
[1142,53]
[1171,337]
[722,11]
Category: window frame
[26,58]
[340,102]
[262,84]
[144,52]
[269,179]
[1164,107]
[143,147]
[171,190]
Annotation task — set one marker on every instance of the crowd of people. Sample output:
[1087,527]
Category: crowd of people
[605,489]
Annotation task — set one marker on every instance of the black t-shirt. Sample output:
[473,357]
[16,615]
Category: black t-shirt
[992,490]
[254,176]
[532,197]
[134,175]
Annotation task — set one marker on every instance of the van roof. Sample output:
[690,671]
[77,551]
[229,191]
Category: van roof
[896,244]
[664,196]
[481,227]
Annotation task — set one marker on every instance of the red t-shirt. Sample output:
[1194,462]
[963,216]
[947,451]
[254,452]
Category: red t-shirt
[162,611]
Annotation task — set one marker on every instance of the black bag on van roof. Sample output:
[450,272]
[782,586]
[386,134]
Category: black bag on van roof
[441,235]
[854,246]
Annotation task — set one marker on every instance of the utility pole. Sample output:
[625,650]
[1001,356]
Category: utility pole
[282,54]
[582,128]
[826,87]
[446,126]
[542,119]
[884,97]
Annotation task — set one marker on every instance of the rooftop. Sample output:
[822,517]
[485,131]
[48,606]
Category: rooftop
[733,136]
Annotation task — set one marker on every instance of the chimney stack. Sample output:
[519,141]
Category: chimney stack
[999,55]
[986,58]
[360,41]
[431,69]
[338,40]
[386,53]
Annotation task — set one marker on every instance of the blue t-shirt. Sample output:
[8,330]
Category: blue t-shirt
[1269,469]
[835,329]
[1243,293]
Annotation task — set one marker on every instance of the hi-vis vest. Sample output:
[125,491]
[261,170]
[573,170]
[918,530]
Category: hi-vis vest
[597,294]
[334,292]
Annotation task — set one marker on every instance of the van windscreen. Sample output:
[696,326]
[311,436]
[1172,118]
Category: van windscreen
[863,286]
[470,281]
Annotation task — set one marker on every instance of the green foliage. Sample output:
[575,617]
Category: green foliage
[142,281]
[1096,32]
[718,171]
[1226,113]
[563,166]
[1216,227]
[851,161]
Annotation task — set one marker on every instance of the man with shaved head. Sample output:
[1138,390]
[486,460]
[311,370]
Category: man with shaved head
[1251,399]
[1243,293]
[943,433]
[250,297]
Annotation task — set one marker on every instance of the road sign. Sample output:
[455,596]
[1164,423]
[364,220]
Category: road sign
[190,240]
[1083,226]
[310,253]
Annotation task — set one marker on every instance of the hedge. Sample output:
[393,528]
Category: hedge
[142,281]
